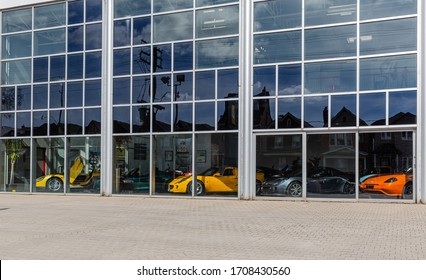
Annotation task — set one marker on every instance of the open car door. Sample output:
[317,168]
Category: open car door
[76,169]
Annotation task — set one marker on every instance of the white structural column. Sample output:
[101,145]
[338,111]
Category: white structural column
[421,135]
[245,174]
[106,127]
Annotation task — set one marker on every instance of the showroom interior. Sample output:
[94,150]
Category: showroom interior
[262,99]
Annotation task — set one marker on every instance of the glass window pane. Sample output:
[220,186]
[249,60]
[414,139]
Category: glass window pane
[92,94]
[161,88]
[289,113]
[141,89]
[318,12]
[227,114]
[94,36]
[76,12]
[264,81]
[57,125]
[204,85]
[132,168]
[141,60]
[122,59]
[343,110]
[402,107]
[182,118]
[16,72]
[376,9]
[330,42]
[74,122]
[93,65]
[57,95]
[386,172]
[264,113]
[216,168]
[204,116]
[8,99]
[85,152]
[173,27]
[121,120]
[325,77]
[316,111]
[201,3]
[280,160]
[49,16]
[23,98]
[161,118]
[183,56]
[141,118]
[40,123]
[75,38]
[75,66]
[14,21]
[93,10]
[15,174]
[122,32]
[217,22]
[124,8]
[15,46]
[171,5]
[277,14]
[290,79]
[49,41]
[227,82]
[57,68]
[277,47]
[388,36]
[388,72]
[23,124]
[92,121]
[372,109]
[331,165]
[40,94]
[121,93]
[162,58]
[182,86]
[75,94]
[141,30]
[41,69]
[216,53]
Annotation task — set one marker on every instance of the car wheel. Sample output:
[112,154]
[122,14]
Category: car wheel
[54,184]
[199,190]
[295,189]
[407,191]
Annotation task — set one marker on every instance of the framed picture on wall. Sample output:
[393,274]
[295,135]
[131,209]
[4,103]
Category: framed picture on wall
[169,156]
[201,156]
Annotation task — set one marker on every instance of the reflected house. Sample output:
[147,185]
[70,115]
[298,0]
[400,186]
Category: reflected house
[262,112]
[93,127]
[229,118]
[290,121]
[345,117]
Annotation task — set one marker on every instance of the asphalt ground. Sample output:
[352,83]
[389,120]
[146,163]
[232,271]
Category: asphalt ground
[81,227]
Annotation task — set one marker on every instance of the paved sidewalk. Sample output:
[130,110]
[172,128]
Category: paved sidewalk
[87,227]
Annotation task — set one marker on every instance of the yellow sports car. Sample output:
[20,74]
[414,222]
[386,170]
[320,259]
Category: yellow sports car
[210,181]
[55,182]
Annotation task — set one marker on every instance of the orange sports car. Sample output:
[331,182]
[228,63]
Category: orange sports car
[395,185]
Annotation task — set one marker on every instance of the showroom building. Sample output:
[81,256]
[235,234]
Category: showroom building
[260,99]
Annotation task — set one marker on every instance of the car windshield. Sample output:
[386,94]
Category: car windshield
[210,171]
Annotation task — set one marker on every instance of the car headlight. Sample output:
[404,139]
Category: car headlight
[39,179]
[391,180]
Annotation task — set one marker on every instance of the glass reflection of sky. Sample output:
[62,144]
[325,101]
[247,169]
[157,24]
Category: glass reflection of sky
[372,108]
[204,116]
[315,107]
[227,82]
[204,85]
[264,79]
[290,79]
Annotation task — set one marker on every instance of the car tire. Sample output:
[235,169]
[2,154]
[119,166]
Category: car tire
[54,184]
[294,189]
[199,190]
[407,191]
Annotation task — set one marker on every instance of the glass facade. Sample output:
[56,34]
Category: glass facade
[332,93]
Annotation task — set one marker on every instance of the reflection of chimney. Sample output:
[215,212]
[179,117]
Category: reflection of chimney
[325,116]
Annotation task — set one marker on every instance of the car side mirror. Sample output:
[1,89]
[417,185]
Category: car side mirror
[216,174]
